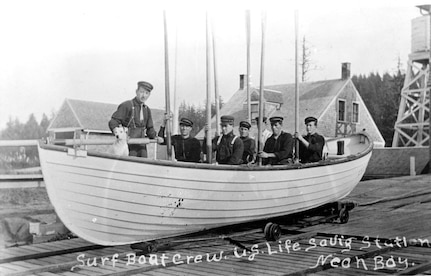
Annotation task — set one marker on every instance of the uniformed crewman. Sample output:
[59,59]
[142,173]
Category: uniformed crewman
[186,147]
[249,154]
[278,149]
[311,145]
[228,146]
[136,116]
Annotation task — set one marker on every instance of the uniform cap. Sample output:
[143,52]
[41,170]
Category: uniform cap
[310,119]
[186,122]
[245,124]
[146,85]
[276,119]
[227,119]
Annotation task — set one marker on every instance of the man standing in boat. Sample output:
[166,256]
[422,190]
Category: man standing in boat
[311,145]
[136,116]
[278,149]
[228,147]
[186,147]
[249,144]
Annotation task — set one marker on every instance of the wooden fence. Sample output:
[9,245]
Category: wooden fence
[22,178]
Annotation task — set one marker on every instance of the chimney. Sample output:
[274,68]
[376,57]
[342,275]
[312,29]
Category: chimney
[345,70]
[242,81]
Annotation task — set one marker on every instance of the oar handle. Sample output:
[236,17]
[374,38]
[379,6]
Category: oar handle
[78,142]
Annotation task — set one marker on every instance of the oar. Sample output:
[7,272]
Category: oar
[167,95]
[261,99]
[296,89]
[208,99]
[110,141]
[217,104]
[248,66]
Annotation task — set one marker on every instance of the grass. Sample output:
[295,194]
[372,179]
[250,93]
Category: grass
[23,197]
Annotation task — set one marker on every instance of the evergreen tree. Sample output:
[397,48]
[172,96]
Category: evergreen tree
[197,114]
[14,130]
[381,95]
[31,128]
[43,126]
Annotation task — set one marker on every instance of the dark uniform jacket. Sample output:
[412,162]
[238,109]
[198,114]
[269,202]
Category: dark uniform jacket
[249,149]
[282,147]
[314,151]
[229,149]
[186,150]
[128,114]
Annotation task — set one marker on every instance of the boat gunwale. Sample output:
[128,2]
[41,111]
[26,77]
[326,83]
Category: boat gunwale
[42,144]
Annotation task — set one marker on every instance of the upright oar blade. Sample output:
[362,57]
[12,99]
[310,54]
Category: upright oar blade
[261,90]
[167,95]
[208,99]
[296,88]
[217,97]
[248,67]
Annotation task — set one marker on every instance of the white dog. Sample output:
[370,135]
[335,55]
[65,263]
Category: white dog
[120,146]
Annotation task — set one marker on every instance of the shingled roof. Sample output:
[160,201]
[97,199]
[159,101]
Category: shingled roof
[317,99]
[93,116]
[314,97]
[268,95]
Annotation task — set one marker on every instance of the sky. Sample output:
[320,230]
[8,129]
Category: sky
[99,50]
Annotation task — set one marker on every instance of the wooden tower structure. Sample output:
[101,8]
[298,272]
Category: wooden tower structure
[413,121]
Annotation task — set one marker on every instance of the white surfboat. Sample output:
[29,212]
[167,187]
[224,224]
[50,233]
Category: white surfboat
[112,200]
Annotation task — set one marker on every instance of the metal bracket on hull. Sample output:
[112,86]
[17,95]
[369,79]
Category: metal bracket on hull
[79,149]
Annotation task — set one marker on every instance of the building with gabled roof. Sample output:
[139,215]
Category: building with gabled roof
[336,104]
[89,119]
[82,115]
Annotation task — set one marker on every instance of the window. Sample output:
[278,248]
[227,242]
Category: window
[341,110]
[254,110]
[268,108]
[355,113]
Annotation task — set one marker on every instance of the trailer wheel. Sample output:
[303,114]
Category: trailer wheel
[272,231]
[145,247]
[344,215]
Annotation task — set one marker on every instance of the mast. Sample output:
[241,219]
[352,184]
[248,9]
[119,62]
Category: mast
[248,66]
[261,99]
[167,95]
[296,88]
[208,99]
[217,103]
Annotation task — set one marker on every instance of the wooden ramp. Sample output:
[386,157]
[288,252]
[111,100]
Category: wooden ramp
[393,162]
[387,234]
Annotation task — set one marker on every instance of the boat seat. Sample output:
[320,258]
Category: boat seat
[335,156]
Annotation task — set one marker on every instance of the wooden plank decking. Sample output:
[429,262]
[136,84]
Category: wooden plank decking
[392,213]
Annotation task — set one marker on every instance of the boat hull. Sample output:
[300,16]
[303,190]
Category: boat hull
[124,200]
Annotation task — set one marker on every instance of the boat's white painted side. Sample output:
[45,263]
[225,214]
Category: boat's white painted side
[113,201]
